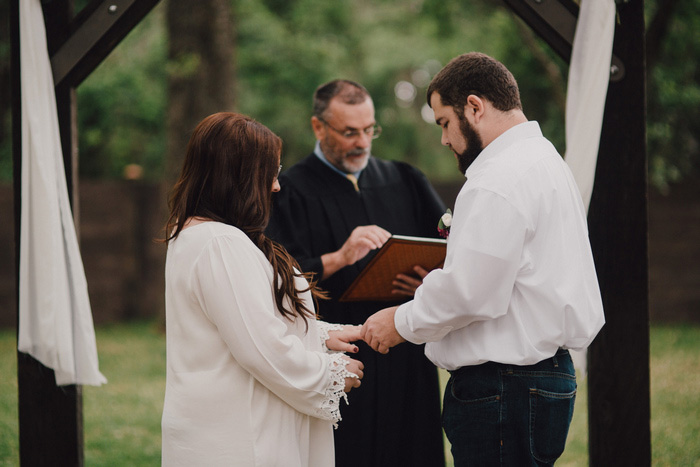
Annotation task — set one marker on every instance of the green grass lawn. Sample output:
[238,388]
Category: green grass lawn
[122,418]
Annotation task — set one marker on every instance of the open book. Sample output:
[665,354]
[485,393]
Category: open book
[398,255]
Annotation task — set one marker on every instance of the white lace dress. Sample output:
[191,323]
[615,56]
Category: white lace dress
[245,386]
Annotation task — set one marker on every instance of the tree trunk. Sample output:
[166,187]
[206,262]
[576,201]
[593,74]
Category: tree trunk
[200,71]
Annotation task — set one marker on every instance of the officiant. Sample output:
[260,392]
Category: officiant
[335,208]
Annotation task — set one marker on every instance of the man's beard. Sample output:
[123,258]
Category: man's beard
[355,166]
[474,145]
[340,159]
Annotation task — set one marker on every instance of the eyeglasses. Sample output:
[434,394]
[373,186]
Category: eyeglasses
[279,171]
[351,133]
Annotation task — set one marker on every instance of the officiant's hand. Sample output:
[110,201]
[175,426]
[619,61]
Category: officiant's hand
[361,241]
[379,330]
[342,340]
[406,285]
[355,367]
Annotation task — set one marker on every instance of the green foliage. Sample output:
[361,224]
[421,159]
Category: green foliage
[286,48]
[121,106]
[5,94]
[673,98]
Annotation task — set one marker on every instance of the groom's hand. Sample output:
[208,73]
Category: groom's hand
[379,331]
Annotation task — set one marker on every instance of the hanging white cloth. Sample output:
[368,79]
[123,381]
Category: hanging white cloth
[589,75]
[55,320]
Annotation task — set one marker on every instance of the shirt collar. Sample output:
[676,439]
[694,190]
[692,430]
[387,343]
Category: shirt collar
[320,155]
[519,132]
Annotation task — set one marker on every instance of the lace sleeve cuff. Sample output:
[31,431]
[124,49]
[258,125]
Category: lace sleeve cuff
[323,330]
[330,409]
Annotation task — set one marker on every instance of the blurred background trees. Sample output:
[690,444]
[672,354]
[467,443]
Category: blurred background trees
[673,90]
[265,58]
[200,66]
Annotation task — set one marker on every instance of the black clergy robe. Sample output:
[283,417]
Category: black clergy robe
[393,419]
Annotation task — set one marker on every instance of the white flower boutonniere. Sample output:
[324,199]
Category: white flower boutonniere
[445,223]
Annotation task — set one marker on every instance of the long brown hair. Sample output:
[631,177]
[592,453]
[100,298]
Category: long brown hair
[227,176]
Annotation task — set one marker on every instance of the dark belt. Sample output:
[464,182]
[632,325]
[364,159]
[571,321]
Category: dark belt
[543,364]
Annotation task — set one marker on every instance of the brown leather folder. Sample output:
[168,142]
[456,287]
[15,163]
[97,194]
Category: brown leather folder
[398,255]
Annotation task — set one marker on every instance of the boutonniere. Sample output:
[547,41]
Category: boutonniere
[445,223]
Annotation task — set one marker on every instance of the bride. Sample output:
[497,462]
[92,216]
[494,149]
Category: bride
[253,378]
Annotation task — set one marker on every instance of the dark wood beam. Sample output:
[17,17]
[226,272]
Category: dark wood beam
[15,79]
[618,380]
[50,417]
[553,20]
[95,32]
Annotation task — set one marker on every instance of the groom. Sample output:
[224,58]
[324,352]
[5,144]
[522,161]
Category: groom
[518,287]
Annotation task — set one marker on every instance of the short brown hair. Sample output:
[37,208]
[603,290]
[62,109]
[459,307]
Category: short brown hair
[478,74]
[348,91]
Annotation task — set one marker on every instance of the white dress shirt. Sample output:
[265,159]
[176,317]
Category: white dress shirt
[245,386]
[519,280]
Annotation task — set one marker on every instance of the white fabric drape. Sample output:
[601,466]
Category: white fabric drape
[589,75]
[55,320]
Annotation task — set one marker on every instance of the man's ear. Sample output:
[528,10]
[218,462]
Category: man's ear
[474,108]
[318,127]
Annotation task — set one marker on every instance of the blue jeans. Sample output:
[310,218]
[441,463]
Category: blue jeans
[509,415]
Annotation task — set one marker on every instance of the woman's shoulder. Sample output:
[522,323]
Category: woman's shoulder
[213,229]
[205,235]
[218,245]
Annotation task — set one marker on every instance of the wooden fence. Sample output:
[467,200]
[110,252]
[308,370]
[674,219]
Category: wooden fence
[121,220]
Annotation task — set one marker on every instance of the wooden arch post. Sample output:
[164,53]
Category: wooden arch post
[51,417]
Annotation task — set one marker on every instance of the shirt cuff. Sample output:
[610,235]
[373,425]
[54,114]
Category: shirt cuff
[411,329]
[324,329]
[401,323]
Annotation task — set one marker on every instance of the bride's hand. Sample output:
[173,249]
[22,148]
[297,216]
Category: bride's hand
[341,340]
[356,367]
